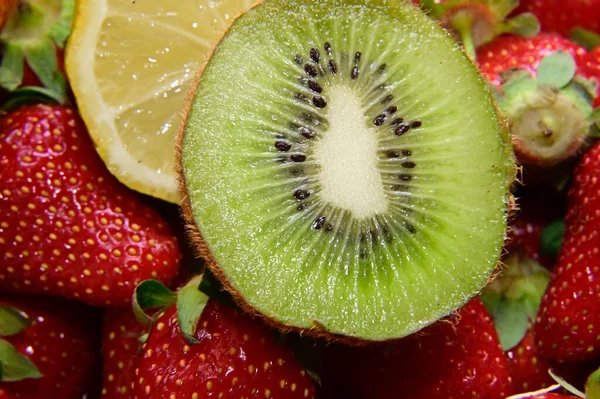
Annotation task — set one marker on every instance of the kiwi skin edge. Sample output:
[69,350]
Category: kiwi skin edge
[202,250]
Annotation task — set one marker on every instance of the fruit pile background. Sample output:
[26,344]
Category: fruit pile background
[75,242]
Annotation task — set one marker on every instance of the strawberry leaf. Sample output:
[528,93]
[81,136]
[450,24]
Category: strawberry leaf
[151,294]
[585,38]
[41,57]
[552,237]
[556,70]
[511,322]
[14,365]
[61,30]
[190,304]
[12,321]
[563,383]
[11,69]
[526,25]
[592,386]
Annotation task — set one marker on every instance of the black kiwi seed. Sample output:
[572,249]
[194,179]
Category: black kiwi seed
[357,56]
[407,153]
[301,206]
[354,73]
[301,194]
[319,102]
[415,124]
[410,228]
[409,164]
[332,66]
[306,132]
[392,154]
[382,68]
[405,177]
[318,223]
[315,86]
[391,110]
[397,121]
[310,70]
[387,99]
[301,97]
[299,60]
[379,119]
[314,55]
[298,157]
[283,146]
[329,227]
[403,128]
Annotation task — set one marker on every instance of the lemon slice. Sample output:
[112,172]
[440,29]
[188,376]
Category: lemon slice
[130,64]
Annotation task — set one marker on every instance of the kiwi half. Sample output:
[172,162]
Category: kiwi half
[344,168]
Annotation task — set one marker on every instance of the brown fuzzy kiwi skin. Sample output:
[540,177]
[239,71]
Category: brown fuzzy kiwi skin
[202,250]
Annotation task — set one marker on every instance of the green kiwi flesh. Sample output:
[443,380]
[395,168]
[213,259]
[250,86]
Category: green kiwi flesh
[345,168]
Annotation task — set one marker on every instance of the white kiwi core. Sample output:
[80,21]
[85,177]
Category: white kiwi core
[347,156]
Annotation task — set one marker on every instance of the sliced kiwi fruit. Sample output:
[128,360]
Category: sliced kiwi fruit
[344,169]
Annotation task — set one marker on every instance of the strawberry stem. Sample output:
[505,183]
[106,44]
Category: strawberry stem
[463,26]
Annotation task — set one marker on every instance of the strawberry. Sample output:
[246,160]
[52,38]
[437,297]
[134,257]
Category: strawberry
[69,227]
[456,358]
[56,348]
[233,356]
[528,370]
[562,16]
[543,88]
[121,347]
[568,323]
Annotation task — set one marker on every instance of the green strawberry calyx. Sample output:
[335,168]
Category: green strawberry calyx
[152,295]
[14,366]
[551,114]
[513,298]
[476,22]
[33,33]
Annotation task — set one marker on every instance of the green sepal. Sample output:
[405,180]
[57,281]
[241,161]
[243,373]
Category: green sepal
[61,30]
[503,7]
[148,295]
[12,321]
[214,289]
[585,38]
[526,25]
[41,57]
[592,386]
[511,322]
[556,70]
[11,69]
[515,83]
[27,95]
[513,298]
[552,237]
[190,304]
[14,366]
[595,116]
[563,383]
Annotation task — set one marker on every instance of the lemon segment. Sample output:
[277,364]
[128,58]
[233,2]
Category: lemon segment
[130,64]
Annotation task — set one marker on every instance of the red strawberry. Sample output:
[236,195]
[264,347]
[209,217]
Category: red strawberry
[510,51]
[528,370]
[458,358]
[69,227]
[235,356]
[61,342]
[562,16]
[121,348]
[543,89]
[568,323]
[6,8]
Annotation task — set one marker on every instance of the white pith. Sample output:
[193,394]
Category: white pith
[347,156]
